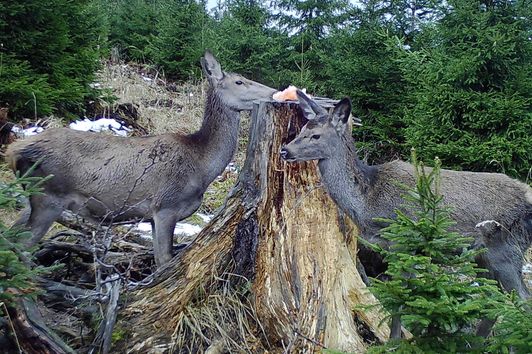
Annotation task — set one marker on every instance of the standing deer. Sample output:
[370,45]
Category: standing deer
[366,192]
[159,178]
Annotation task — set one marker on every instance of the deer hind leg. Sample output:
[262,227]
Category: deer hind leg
[503,261]
[23,218]
[44,211]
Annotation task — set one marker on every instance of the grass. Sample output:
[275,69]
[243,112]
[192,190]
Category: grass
[162,107]
[222,321]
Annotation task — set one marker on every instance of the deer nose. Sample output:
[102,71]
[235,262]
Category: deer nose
[283,153]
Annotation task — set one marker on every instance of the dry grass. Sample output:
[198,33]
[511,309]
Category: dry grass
[224,321]
[7,216]
[162,107]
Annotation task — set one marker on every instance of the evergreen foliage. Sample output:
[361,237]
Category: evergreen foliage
[308,23]
[513,327]
[364,68]
[244,40]
[132,27]
[15,275]
[180,27]
[433,284]
[471,87]
[48,55]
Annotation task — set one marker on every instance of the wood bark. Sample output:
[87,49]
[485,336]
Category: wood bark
[32,333]
[279,228]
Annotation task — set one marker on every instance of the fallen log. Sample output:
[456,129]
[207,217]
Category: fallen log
[33,335]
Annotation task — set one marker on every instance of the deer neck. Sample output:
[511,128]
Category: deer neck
[347,179]
[218,135]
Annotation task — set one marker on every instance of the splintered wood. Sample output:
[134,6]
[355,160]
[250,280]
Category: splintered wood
[279,229]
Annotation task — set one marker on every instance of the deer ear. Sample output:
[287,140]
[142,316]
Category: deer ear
[311,110]
[306,105]
[211,67]
[340,115]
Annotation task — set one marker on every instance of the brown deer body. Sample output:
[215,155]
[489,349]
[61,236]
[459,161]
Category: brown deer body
[159,178]
[367,192]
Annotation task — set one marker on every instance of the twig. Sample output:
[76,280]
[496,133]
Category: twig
[309,339]
[12,327]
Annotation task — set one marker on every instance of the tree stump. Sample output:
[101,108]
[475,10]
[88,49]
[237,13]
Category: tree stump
[280,229]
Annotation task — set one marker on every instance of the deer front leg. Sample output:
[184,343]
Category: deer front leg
[165,221]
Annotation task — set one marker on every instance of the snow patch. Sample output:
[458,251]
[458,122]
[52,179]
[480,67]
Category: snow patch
[99,125]
[181,228]
[204,217]
[527,268]
[186,229]
[26,132]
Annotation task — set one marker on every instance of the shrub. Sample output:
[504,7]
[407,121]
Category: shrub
[49,52]
[434,286]
[15,274]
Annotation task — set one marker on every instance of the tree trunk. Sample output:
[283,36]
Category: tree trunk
[280,229]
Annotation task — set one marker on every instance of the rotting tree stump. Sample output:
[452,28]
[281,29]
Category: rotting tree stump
[279,228]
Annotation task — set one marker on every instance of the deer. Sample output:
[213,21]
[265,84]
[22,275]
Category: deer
[160,178]
[492,208]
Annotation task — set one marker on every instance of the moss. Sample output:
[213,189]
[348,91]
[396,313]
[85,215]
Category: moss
[194,220]
[217,192]
[119,333]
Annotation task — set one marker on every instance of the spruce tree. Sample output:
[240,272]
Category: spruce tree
[180,38]
[309,24]
[49,52]
[359,64]
[15,274]
[470,85]
[132,27]
[512,330]
[244,39]
[434,286]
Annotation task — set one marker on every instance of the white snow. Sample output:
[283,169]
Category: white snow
[99,125]
[186,229]
[143,227]
[26,132]
[527,268]
[180,229]
[205,217]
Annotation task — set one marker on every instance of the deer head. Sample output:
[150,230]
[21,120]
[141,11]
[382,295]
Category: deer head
[320,137]
[234,90]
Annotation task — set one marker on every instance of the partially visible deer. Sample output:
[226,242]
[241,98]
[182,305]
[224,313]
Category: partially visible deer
[366,192]
[159,178]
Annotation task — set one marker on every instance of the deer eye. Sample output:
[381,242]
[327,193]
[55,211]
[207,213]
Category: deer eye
[238,82]
[315,136]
